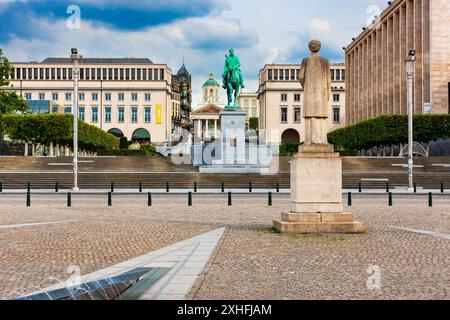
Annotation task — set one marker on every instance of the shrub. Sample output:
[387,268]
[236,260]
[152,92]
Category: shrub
[390,130]
[135,146]
[123,143]
[289,148]
[253,124]
[56,128]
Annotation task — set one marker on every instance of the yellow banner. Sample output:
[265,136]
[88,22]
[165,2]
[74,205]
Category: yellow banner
[158,114]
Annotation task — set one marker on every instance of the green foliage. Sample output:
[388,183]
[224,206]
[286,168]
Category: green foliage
[289,148]
[124,143]
[56,128]
[390,130]
[253,124]
[10,102]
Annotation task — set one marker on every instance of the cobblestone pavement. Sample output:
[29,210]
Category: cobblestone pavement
[252,262]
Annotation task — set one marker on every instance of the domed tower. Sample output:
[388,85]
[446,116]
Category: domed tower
[211,91]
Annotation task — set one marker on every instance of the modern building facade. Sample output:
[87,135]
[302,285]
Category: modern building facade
[280,97]
[129,97]
[375,61]
[249,103]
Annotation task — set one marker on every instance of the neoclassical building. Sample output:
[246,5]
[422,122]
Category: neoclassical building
[376,67]
[206,118]
[280,96]
[129,97]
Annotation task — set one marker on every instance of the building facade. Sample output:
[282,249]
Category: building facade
[206,118]
[129,97]
[375,61]
[280,97]
[182,88]
[249,103]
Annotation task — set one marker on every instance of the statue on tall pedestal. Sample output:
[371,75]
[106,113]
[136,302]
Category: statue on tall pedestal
[316,171]
[315,78]
[233,80]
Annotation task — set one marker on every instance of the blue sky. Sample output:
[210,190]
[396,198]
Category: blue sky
[200,31]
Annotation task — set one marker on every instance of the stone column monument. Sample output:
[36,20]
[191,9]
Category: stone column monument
[316,171]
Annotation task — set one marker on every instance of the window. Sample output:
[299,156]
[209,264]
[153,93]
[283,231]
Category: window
[81,113]
[68,110]
[144,74]
[35,76]
[147,114]
[68,97]
[88,74]
[138,74]
[338,75]
[297,115]
[107,74]
[284,97]
[127,74]
[134,96]
[82,74]
[292,74]
[55,96]
[107,114]
[343,74]
[134,114]
[133,74]
[297,97]
[30,73]
[70,73]
[81,96]
[121,115]
[121,96]
[108,96]
[281,74]
[93,74]
[99,74]
[64,73]
[95,97]
[27,96]
[148,97]
[336,115]
[41,96]
[284,115]
[41,73]
[155,74]
[94,115]
[58,73]
[332,75]
[161,74]
[53,74]
[253,113]
[116,74]
[336,97]
[270,74]
[47,73]
[121,73]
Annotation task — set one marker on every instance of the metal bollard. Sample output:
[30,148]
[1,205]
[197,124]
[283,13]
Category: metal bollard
[69,199]
[167,187]
[415,187]
[230,202]
[430,199]
[56,187]
[109,199]
[390,199]
[149,199]
[388,189]
[1,186]
[29,187]
[269,200]
[223,187]
[190,199]
[250,188]
[278,187]
[112,186]
[195,186]
[349,202]
[360,187]
[442,187]
[28,199]
[140,187]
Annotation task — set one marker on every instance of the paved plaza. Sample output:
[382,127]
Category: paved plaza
[408,244]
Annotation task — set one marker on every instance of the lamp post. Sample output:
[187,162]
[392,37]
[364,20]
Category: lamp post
[410,77]
[76,58]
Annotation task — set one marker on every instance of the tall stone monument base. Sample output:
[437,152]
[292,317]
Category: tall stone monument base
[316,194]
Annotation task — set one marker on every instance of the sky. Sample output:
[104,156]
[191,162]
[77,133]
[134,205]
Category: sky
[198,31]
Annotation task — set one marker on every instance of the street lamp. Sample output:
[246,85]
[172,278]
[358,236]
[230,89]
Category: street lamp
[410,78]
[76,58]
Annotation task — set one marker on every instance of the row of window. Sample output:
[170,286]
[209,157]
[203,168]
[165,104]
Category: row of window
[297,97]
[94,96]
[293,74]
[297,115]
[88,74]
[108,114]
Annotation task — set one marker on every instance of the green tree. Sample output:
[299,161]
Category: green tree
[10,102]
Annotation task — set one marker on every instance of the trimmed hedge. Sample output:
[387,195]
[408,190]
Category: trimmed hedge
[289,148]
[56,128]
[390,130]
[253,124]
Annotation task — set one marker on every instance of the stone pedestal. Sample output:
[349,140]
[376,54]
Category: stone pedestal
[232,124]
[316,194]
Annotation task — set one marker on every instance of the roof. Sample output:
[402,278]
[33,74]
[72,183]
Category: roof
[211,81]
[99,61]
[183,71]
[208,109]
